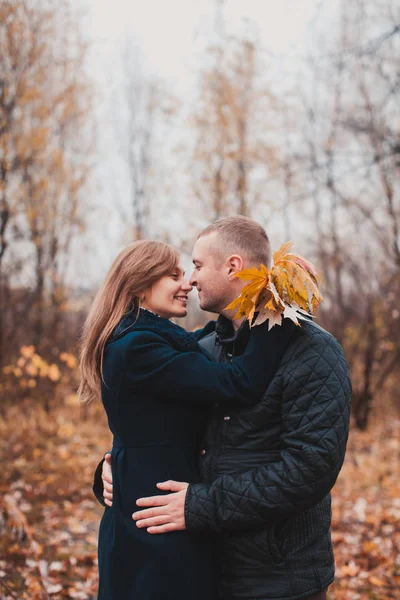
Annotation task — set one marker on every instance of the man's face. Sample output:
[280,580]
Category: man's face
[211,275]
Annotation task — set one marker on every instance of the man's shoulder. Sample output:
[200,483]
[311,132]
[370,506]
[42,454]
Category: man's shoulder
[310,329]
[312,340]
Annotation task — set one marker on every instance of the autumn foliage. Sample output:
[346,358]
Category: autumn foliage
[288,290]
[49,517]
[320,160]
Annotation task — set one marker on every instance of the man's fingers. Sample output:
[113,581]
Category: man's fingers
[152,501]
[163,528]
[107,502]
[172,486]
[148,513]
[161,520]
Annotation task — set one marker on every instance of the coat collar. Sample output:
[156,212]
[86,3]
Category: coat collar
[149,321]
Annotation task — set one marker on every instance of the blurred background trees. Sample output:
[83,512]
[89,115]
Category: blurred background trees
[45,145]
[99,147]
[312,152]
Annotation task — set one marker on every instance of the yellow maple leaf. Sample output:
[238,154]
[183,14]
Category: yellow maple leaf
[281,252]
[289,290]
[245,304]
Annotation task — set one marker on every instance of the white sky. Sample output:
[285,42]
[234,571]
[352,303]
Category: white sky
[168,31]
[172,36]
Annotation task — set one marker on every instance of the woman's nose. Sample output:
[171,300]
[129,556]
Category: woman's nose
[186,286]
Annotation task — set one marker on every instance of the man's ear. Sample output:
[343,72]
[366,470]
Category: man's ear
[234,264]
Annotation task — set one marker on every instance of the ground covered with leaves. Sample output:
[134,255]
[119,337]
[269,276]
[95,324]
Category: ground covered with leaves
[49,518]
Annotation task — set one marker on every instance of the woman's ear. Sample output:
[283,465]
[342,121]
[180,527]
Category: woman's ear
[141,296]
[235,264]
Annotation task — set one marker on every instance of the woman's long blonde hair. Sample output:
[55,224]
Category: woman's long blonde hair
[134,270]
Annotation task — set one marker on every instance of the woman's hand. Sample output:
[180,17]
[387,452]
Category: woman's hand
[106,476]
[167,512]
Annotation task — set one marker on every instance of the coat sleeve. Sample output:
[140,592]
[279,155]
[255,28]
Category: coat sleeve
[97,487]
[316,394]
[158,369]
[208,328]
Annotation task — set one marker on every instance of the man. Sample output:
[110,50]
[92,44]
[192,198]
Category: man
[267,471]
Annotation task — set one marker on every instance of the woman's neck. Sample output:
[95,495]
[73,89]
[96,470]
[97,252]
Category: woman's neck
[150,311]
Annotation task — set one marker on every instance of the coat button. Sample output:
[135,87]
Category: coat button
[227,418]
[202,451]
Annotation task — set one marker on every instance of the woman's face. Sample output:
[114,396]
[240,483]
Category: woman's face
[168,296]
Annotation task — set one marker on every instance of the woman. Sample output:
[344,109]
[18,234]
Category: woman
[156,383]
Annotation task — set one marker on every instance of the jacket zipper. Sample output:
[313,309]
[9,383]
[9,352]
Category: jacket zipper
[219,424]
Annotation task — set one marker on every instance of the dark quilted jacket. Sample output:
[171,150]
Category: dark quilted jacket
[268,471]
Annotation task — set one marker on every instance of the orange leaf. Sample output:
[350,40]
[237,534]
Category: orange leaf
[376,581]
[281,252]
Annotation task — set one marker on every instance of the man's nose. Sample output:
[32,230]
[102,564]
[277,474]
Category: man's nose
[192,280]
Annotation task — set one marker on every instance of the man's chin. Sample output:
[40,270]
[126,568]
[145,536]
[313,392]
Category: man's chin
[207,307]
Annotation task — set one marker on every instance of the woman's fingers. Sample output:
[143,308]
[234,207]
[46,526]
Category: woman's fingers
[108,488]
[108,491]
[106,472]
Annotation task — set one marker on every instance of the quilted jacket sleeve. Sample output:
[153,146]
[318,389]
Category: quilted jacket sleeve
[315,390]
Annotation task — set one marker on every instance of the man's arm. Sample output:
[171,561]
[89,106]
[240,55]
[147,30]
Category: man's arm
[315,417]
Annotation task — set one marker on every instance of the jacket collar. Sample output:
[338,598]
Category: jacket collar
[227,335]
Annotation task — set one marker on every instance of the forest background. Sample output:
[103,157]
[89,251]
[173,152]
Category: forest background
[98,149]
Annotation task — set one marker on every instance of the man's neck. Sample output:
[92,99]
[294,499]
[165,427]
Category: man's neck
[236,323]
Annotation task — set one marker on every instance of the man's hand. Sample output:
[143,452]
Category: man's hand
[106,476]
[168,512]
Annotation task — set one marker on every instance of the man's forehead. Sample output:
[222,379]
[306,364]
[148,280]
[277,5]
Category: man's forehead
[205,245]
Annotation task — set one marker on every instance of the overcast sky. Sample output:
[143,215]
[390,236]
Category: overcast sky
[171,36]
[169,31]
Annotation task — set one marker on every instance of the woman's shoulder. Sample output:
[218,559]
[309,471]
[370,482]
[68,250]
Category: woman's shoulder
[146,328]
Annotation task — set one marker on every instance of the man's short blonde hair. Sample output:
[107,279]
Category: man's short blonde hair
[241,235]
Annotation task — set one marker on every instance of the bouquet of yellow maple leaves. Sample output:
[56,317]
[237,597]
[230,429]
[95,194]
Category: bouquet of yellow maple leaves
[290,289]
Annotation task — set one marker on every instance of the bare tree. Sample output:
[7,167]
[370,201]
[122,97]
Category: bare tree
[351,160]
[230,121]
[44,152]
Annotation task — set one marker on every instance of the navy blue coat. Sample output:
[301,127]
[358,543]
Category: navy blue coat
[158,383]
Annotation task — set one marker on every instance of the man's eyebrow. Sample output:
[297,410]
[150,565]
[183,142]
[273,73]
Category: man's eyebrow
[196,261]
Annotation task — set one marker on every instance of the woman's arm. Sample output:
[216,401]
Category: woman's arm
[155,368]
